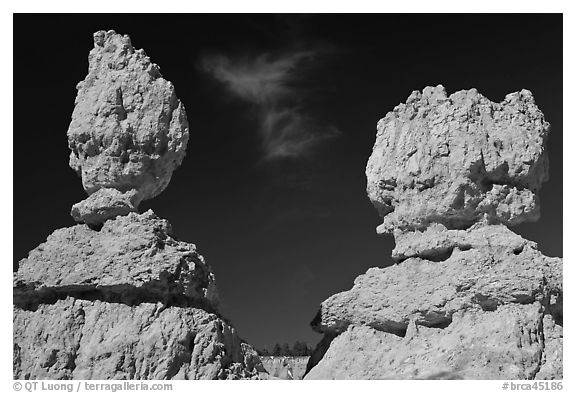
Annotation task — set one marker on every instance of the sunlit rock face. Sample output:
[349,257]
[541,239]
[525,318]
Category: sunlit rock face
[458,159]
[128,130]
[467,298]
[117,296]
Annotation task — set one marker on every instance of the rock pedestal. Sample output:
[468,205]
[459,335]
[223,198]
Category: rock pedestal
[467,298]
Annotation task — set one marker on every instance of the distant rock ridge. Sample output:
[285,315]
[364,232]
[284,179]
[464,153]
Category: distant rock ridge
[285,367]
[467,298]
[117,296]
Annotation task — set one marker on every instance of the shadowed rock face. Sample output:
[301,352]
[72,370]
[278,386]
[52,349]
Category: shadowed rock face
[128,130]
[467,297]
[458,159]
[118,297]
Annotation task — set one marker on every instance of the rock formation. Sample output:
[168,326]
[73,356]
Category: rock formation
[128,130]
[120,298]
[467,297]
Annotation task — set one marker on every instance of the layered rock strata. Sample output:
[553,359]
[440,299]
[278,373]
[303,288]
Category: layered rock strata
[118,297]
[467,298]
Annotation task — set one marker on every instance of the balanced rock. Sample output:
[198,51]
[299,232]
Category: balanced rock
[458,159]
[466,298]
[128,130]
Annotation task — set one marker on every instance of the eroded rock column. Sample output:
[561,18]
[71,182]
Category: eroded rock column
[466,297]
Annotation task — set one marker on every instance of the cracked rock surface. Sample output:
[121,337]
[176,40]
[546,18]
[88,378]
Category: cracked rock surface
[467,298]
[128,130]
[458,159]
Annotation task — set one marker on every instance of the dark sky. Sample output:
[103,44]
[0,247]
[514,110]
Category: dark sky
[282,112]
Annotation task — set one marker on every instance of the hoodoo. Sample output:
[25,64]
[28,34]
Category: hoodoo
[116,296]
[467,297]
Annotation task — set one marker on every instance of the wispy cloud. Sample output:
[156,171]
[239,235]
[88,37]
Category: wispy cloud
[285,128]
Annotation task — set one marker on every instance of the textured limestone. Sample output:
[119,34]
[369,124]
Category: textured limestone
[458,159]
[128,129]
[131,258]
[90,339]
[104,204]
